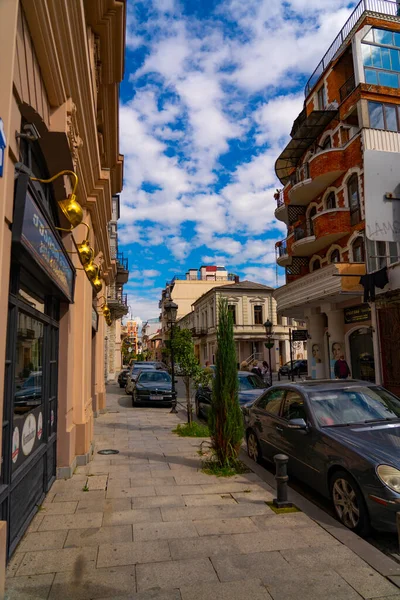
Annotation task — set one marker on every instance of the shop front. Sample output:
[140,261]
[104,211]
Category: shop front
[42,278]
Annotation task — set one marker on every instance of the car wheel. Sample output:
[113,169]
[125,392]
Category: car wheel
[253,447]
[349,503]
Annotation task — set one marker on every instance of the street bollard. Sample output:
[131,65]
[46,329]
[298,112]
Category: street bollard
[281,477]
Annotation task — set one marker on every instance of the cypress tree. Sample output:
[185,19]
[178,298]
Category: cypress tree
[225,419]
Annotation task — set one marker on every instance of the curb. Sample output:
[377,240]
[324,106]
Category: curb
[375,558]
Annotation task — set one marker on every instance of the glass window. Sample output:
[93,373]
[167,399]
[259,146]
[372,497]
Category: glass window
[327,143]
[321,98]
[331,201]
[396,39]
[366,53]
[271,401]
[381,254]
[358,250]
[354,200]
[382,36]
[395,60]
[371,256]
[393,252]
[390,117]
[232,311]
[294,407]
[388,79]
[376,57]
[386,62]
[310,223]
[29,361]
[376,115]
[371,76]
[258,315]
[316,265]
[250,382]
[370,36]
[335,256]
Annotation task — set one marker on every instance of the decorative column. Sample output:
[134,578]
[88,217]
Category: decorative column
[315,346]
[336,339]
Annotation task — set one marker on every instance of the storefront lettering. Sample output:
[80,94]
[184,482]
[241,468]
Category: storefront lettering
[28,434]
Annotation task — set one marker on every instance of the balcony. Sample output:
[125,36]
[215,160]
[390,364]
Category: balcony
[347,88]
[199,331]
[122,269]
[283,258]
[327,227]
[281,211]
[382,7]
[334,283]
[118,303]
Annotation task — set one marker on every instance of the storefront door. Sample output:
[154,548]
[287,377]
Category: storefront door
[389,333]
[362,355]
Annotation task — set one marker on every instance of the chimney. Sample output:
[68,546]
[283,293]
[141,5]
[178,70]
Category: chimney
[236,278]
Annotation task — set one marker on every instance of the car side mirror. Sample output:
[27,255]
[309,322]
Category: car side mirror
[298,424]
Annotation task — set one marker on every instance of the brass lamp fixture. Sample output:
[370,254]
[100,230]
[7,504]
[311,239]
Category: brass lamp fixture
[70,206]
[85,251]
[105,309]
[97,283]
[92,271]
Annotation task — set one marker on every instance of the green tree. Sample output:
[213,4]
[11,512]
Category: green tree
[188,364]
[225,419]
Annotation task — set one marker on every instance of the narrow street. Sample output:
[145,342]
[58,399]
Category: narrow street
[148,524]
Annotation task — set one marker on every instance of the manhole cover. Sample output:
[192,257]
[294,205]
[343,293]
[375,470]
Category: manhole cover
[108,451]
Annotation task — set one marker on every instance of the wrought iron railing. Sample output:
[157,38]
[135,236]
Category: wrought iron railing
[279,198]
[282,249]
[347,88]
[385,7]
[123,261]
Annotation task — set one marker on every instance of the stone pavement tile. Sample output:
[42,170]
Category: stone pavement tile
[203,547]
[113,555]
[231,487]
[285,539]
[74,483]
[143,481]
[94,583]
[36,522]
[141,515]
[102,535]
[194,479]
[209,500]
[79,495]
[151,595]
[48,561]
[97,482]
[14,563]
[159,501]
[59,508]
[269,521]
[250,566]
[225,526]
[131,492]
[33,587]
[43,540]
[303,584]
[163,531]
[254,497]
[174,574]
[231,590]
[322,557]
[367,581]
[76,521]
[178,490]
[213,512]
[89,506]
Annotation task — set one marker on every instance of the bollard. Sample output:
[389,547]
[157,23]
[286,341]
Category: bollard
[281,477]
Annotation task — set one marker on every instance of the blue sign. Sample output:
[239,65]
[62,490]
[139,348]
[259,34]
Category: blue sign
[42,244]
[3,144]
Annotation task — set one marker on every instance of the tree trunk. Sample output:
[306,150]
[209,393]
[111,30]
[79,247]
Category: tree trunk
[188,403]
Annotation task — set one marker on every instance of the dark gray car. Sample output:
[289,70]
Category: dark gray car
[342,439]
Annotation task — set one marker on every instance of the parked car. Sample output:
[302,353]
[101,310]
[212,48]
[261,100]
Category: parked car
[122,378]
[342,438]
[30,393]
[299,368]
[251,386]
[133,374]
[152,386]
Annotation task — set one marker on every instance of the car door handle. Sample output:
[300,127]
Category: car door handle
[278,428]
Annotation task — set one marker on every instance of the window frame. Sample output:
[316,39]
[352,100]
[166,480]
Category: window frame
[312,266]
[259,312]
[283,405]
[358,242]
[384,106]
[336,251]
[328,199]
[266,395]
[232,311]
[355,212]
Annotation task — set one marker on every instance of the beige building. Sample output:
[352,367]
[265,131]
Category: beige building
[185,291]
[61,62]
[251,305]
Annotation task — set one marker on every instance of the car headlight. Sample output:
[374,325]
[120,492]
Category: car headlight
[389,476]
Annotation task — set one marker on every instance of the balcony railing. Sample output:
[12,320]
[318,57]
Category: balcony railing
[279,198]
[302,232]
[199,331]
[347,88]
[282,249]
[385,7]
[123,261]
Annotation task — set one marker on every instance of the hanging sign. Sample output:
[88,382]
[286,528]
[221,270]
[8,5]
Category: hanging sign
[357,314]
[299,335]
[3,144]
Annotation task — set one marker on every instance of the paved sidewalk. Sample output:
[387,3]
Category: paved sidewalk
[153,527]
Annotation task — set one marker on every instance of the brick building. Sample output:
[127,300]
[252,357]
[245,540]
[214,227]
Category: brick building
[349,123]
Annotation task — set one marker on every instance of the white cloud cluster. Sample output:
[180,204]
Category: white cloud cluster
[228,83]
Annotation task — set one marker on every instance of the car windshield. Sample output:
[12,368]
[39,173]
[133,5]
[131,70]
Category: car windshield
[250,382]
[154,377]
[354,405]
[33,381]
[137,370]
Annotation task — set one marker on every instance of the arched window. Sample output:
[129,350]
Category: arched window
[327,143]
[354,200]
[316,265]
[335,256]
[311,214]
[358,250]
[331,201]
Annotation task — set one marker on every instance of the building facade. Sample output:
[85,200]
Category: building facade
[132,335]
[150,328]
[185,291]
[251,305]
[61,63]
[333,188]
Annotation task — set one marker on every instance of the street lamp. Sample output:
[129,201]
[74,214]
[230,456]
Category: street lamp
[171,311]
[269,344]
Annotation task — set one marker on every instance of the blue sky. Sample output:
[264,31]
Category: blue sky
[210,92]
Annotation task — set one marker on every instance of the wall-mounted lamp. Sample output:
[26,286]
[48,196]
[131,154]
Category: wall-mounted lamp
[70,206]
[97,283]
[30,133]
[92,271]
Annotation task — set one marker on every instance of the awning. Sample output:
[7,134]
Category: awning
[304,136]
